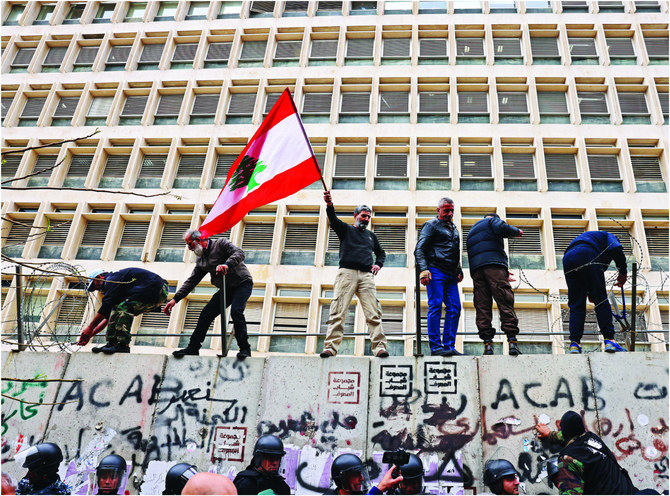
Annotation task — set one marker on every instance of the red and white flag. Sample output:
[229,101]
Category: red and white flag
[277,162]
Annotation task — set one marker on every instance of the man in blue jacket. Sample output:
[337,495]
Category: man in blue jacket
[438,256]
[584,263]
[490,279]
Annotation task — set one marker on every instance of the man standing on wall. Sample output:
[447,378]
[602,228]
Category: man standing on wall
[491,280]
[218,257]
[355,276]
[438,256]
[584,263]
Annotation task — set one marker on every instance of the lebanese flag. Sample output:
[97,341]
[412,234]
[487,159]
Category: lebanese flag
[277,162]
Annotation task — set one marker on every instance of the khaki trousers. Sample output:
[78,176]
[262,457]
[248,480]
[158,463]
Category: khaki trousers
[347,283]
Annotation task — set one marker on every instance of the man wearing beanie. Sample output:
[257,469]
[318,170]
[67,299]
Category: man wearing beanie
[585,464]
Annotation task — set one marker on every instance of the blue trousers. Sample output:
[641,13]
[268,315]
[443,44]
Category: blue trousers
[442,288]
[586,279]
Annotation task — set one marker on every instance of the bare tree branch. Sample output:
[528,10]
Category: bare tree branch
[34,173]
[23,150]
[41,380]
[35,402]
[32,188]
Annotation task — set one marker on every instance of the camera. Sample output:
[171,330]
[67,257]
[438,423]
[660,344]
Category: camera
[396,458]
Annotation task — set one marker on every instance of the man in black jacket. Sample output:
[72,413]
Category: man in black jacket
[491,280]
[585,464]
[438,256]
[262,474]
[218,257]
[356,275]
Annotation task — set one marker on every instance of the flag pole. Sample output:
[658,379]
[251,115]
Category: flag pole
[316,164]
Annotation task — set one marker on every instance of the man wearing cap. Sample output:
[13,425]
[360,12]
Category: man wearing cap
[126,293]
[585,464]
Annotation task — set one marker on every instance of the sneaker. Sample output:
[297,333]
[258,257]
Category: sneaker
[514,348]
[488,347]
[611,346]
[100,349]
[382,353]
[186,351]
[451,352]
[437,352]
[110,349]
[241,355]
[575,348]
[326,353]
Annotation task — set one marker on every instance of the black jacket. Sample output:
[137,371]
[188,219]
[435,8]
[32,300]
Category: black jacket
[606,246]
[439,246]
[356,244]
[251,481]
[485,242]
[141,285]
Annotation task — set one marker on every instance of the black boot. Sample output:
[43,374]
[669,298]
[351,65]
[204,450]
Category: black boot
[189,350]
[514,348]
[488,347]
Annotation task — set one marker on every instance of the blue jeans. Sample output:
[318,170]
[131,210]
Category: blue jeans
[586,279]
[442,288]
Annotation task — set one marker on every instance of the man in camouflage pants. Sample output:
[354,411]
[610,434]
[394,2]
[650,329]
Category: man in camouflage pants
[126,293]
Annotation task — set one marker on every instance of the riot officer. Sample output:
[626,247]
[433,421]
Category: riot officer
[110,474]
[412,476]
[350,475]
[178,476]
[552,469]
[501,477]
[262,474]
[42,461]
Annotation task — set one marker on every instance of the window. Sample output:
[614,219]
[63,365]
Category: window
[183,56]
[397,7]
[99,110]
[257,242]
[563,236]
[291,315]
[22,60]
[621,51]
[349,171]
[45,14]
[553,107]
[396,51]
[168,109]
[393,239]
[633,107]
[151,171]
[70,314]
[657,243]
[5,104]
[476,172]
[316,106]
[133,110]
[323,52]
[31,111]
[166,11]
[299,243]
[513,107]
[393,106]
[132,239]
[287,53]
[197,11]
[55,238]
[64,111]
[473,106]
[253,53]
[433,51]
[433,172]
[519,172]
[151,323]
[610,6]
[503,7]
[241,108]
[218,55]
[85,59]
[135,12]
[663,102]
[561,172]
[328,8]
[261,9]
[470,51]
[526,251]
[74,14]
[114,172]
[583,51]
[391,171]
[647,6]
[189,171]
[104,13]
[507,50]
[545,50]
[14,15]
[363,8]
[192,313]
[230,10]
[604,170]
[295,9]
[204,108]
[78,171]
[648,175]
[10,167]
[171,247]
[151,56]
[360,51]
[657,49]
[93,240]
[355,107]
[574,6]
[538,6]
[15,240]
[54,59]
[349,325]
[433,106]
[432,7]
[223,163]
[593,107]
[117,58]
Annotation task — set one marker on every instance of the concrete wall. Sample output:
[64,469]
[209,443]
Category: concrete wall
[156,411]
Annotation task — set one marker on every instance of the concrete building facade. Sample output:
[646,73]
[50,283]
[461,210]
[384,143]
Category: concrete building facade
[552,114]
